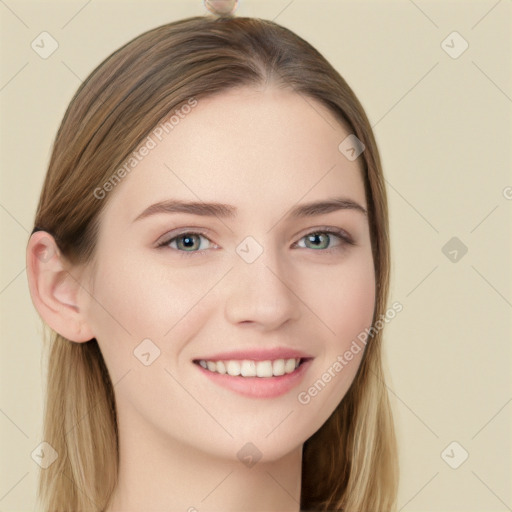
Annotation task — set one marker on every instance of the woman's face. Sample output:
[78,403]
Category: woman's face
[252,281]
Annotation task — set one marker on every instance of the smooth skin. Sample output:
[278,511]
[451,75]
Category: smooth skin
[263,151]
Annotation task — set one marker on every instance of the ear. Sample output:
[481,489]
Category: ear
[54,288]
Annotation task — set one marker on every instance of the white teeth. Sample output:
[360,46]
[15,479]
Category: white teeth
[289,365]
[233,368]
[221,367]
[249,368]
[278,367]
[264,368]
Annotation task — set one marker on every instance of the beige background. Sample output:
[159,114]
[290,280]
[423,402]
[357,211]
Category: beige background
[443,126]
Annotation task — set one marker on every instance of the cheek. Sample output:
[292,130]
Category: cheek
[128,306]
[134,300]
[343,299]
[345,306]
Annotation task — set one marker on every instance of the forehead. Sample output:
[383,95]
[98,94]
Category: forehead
[255,149]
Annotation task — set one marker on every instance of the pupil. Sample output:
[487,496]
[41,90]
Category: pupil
[313,238]
[188,240]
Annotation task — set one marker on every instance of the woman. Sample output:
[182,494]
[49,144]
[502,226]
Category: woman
[211,256]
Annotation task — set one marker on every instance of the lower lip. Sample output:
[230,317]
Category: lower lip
[259,387]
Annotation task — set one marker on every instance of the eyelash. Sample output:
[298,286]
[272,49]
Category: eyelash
[342,236]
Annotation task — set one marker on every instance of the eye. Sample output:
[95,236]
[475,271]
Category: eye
[323,236]
[188,243]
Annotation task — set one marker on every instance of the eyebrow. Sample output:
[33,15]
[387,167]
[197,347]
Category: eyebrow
[227,211]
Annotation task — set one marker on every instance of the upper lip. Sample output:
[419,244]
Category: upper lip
[257,354]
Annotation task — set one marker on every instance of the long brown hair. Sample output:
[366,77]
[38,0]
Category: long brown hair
[351,462]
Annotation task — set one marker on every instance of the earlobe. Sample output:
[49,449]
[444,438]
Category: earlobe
[54,289]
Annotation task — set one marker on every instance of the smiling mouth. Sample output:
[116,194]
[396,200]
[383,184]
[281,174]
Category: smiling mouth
[250,368]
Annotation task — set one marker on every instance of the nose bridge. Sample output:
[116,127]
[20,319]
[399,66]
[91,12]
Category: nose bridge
[261,289]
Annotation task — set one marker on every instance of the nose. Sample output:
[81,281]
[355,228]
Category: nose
[261,293]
